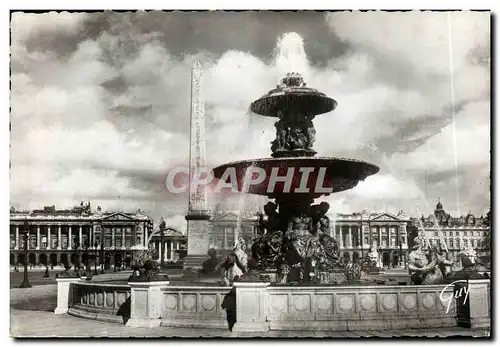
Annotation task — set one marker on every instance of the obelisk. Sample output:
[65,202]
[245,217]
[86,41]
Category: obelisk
[198,216]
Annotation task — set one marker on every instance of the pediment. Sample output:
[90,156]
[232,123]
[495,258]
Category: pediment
[385,217]
[118,216]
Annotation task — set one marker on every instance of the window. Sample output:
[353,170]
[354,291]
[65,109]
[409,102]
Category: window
[128,237]
[64,241]
[451,233]
[366,240]
[118,238]
[44,242]
[403,239]
[465,233]
[452,244]
[457,234]
[107,237]
[436,233]
[384,241]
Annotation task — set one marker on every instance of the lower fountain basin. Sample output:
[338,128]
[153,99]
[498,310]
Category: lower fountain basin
[305,177]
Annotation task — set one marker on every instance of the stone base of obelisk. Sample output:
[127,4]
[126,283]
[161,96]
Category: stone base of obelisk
[198,233]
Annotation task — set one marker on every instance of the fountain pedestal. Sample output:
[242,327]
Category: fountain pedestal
[63,294]
[473,303]
[251,307]
[198,241]
[145,304]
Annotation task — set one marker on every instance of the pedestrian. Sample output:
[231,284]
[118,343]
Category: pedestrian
[229,304]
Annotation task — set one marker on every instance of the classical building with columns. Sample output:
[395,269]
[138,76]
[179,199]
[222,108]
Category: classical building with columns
[358,232]
[225,227]
[174,241]
[65,236]
[458,233]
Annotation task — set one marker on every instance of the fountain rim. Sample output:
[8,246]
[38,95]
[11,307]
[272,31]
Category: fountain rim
[290,92]
[309,159]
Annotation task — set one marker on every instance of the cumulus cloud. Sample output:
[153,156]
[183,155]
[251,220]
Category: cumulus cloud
[107,116]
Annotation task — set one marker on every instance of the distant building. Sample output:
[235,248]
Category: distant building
[458,233]
[175,244]
[358,232]
[226,225]
[63,236]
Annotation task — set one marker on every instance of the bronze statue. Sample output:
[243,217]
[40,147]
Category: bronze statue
[281,132]
[267,248]
[273,217]
[309,130]
[424,268]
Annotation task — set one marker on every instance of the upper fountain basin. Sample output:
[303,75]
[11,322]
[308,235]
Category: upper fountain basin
[292,94]
[302,99]
[306,178]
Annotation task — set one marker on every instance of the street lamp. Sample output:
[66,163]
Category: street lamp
[400,253]
[86,255]
[102,256]
[95,259]
[26,283]
[122,265]
[162,243]
[76,244]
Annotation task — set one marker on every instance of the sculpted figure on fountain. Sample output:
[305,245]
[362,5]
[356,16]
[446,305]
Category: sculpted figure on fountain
[236,263]
[267,248]
[310,131]
[281,132]
[427,267]
[294,131]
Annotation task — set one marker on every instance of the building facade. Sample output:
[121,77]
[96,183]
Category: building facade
[226,227]
[358,232]
[175,244]
[457,233]
[67,236]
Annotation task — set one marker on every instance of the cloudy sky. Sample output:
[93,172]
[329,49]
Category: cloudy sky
[100,103]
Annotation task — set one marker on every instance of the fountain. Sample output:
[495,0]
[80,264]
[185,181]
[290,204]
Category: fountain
[294,241]
[297,239]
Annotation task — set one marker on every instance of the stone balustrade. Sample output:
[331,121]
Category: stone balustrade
[261,306]
[195,306]
[100,301]
[360,307]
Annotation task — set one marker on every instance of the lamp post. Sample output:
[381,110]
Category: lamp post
[162,243]
[400,253]
[76,245]
[95,259]
[86,255]
[102,260]
[123,261]
[26,283]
